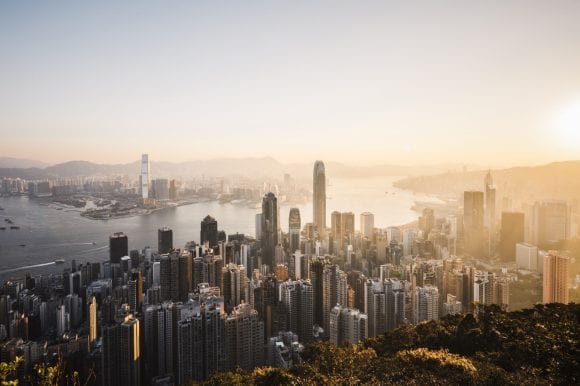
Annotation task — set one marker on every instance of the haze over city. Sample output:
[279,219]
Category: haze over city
[495,83]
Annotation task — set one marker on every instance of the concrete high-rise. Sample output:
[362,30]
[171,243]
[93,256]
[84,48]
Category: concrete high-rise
[92,322]
[164,240]
[145,176]
[294,229]
[118,247]
[347,325]
[334,291]
[319,198]
[512,233]
[555,286]
[297,298]
[489,190]
[347,228]
[269,237]
[245,338]
[426,303]
[367,224]
[121,356]
[209,231]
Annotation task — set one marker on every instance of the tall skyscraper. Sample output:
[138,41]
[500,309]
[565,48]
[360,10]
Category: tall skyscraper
[319,198]
[334,291]
[347,227]
[336,228]
[118,247]
[164,240]
[367,225]
[294,229]
[269,228]
[169,276]
[473,223]
[512,232]
[555,288]
[121,355]
[145,176]
[489,190]
[92,322]
[551,222]
[209,231]
[426,303]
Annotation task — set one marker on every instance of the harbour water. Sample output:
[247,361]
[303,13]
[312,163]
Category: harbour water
[47,234]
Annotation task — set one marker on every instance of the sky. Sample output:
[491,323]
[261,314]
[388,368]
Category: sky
[360,82]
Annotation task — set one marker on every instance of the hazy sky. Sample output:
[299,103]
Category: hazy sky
[362,82]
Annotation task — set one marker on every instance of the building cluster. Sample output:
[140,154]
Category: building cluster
[176,315]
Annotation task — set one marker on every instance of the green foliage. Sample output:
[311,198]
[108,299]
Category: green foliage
[534,346]
[8,372]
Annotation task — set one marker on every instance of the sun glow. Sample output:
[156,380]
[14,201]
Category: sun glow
[567,125]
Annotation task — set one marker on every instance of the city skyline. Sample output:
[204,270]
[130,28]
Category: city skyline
[397,80]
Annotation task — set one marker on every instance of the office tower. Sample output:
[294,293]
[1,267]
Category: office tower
[473,222]
[258,226]
[121,355]
[555,286]
[527,257]
[209,231]
[294,229]
[551,222]
[169,276]
[367,224]
[160,337]
[202,341]
[283,350]
[164,240]
[118,247]
[317,265]
[334,291]
[336,228]
[233,285]
[489,220]
[266,297]
[347,325]
[319,199]
[426,304]
[347,227]
[161,189]
[245,338]
[144,177]
[269,237]
[92,322]
[427,221]
[297,298]
[512,232]
[394,253]
[172,190]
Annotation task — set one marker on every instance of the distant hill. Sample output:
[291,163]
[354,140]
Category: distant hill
[9,162]
[219,167]
[558,180]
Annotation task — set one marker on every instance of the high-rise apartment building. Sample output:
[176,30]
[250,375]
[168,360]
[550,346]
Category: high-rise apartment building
[334,291]
[297,298]
[426,303]
[245,338]
[555,286]
[473,223]
[319,199]
[347,325]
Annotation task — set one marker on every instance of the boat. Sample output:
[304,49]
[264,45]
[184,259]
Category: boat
[2,228]
[22,245]
[14,227]
[59,261]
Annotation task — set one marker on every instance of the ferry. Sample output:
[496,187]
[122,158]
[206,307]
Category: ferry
[59,261]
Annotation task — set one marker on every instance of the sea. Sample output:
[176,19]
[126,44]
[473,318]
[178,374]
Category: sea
[47,234]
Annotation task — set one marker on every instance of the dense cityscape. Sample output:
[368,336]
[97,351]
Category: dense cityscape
[176,314]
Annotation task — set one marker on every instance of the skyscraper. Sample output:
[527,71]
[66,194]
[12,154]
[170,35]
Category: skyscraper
[319,198]
[269,228]
[297,298]
[367,225]
[294,229]
[121,355]
[334,291]
[245,338]
[347,325]
[347,228]
[473,222]
[489,191]
[512,232]
[555,288]
[92,322]
[169,276]
[118,247]
[426,303]
[336,228]
[164,240]
[209,231]
[144,177]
